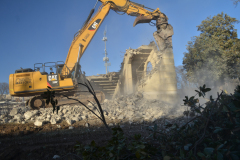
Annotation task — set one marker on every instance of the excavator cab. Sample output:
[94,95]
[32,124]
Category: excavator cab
[52,70]
[49,67]
[27,82]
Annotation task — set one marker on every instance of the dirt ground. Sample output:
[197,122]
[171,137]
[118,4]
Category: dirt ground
[28,142]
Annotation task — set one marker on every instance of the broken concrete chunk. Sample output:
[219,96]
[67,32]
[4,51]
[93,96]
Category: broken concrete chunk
[83,117]
[30,114]
[59,126]
[69,121]
[120,117]
[64,111]
[38,123]
[14,111]
[71,127]
[86,125]
[18,117]
[53,121]
[110,124]
[131,107]
[76,119]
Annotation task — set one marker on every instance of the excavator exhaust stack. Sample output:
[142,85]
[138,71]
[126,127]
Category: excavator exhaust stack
[142,19]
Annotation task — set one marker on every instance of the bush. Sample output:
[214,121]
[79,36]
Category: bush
[214,133]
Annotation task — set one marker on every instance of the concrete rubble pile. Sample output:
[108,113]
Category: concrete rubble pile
[130,108]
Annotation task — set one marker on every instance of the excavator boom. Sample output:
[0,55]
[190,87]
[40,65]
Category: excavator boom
[84,36]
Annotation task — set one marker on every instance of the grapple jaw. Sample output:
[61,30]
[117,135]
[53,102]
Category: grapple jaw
[142,19]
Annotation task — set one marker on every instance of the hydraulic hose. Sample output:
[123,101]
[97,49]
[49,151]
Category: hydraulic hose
[89,16]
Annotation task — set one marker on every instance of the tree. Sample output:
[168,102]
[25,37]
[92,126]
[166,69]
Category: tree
[235,2]
[214,55]
[3,88]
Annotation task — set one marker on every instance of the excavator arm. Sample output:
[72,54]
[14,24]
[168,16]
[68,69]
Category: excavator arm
[135,9]
[84,36]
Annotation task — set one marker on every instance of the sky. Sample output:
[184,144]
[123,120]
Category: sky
[39,31]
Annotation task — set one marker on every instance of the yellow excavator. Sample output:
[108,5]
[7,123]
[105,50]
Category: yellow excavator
[67,75]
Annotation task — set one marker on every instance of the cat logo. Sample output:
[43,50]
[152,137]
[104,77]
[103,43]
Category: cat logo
[52,80]
[94,25]
[52,77]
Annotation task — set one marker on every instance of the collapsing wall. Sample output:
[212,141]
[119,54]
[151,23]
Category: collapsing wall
[157,83]
[163,83]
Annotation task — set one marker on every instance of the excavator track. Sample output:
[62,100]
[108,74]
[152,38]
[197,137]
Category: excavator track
[37,102]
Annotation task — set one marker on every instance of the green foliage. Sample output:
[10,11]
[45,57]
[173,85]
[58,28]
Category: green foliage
[214,54]
[213,134]
[118,147]
[50,95]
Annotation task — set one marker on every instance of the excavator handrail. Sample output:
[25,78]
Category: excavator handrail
[67,72]
[37,67]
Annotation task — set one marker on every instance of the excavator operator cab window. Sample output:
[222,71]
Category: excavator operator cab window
[59,68]
[51,71]
[72,75]
[49,67]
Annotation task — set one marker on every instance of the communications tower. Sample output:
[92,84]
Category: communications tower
[106,59]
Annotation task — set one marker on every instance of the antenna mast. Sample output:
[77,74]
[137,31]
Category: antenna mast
[106,59]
